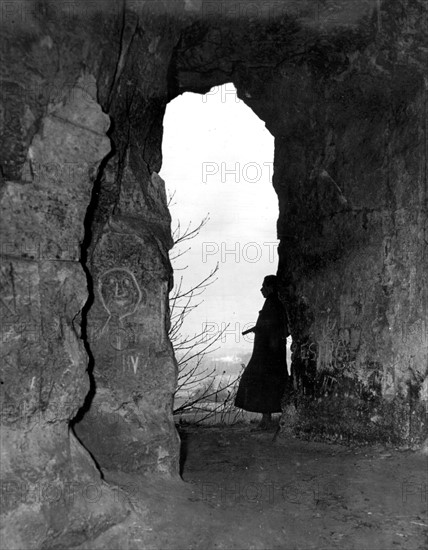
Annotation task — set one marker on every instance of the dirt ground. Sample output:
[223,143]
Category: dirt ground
[242,491]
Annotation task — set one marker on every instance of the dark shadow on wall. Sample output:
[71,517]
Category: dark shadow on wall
[86,243]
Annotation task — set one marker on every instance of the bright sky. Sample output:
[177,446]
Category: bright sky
[218,158]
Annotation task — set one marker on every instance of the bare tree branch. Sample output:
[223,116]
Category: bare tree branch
[190,350]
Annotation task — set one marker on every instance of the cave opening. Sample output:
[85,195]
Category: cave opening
[224,178]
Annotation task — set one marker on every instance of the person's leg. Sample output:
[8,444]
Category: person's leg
[264,424]
[266,419]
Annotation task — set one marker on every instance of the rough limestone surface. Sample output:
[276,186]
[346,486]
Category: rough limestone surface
[129,425]
[85,228]
[45,471]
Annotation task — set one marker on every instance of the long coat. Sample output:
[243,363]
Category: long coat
[264,379]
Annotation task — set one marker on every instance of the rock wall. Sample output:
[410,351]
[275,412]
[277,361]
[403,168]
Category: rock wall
[127,423]
[85,270]
[45,472]
[353,243]
[353,194]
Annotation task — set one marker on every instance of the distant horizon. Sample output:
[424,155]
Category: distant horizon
[220,360]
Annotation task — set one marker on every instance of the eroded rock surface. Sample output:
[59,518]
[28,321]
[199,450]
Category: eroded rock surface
[45,471]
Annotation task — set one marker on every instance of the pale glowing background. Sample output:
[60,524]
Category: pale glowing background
[243,208]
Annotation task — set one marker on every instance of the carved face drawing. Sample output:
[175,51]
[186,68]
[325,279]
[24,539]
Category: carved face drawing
[119,292]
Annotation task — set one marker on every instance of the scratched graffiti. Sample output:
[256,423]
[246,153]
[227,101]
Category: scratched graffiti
[337,349]
[120,295]
[136,362]
[326,345]
[119,292]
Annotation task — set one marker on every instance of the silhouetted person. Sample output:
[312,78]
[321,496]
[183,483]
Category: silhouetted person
[264,380]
